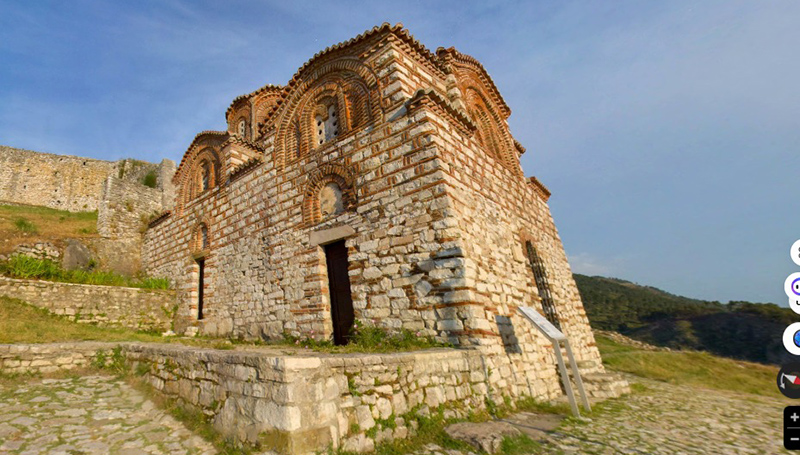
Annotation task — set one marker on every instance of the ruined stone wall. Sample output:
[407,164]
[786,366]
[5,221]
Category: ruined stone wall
[57,181]
[126,206]
[139,309]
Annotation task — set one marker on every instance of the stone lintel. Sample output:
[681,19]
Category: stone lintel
[331,235]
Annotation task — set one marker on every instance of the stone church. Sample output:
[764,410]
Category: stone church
[381,183]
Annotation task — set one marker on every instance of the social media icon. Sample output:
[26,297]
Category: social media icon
[794,253]
[792,285]
[794,304]
[791,338]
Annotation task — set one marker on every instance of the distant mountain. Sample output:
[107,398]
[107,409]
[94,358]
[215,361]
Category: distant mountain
[741,330]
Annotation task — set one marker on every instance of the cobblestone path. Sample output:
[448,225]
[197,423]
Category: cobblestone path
[89,415]
[98,415]
[669,419]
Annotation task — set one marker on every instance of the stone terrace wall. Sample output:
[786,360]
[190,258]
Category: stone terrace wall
[300,404]
[49,357]
[297,402]
[141,309]
[56,181]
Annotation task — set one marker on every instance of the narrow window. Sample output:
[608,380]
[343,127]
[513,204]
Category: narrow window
[242,127]
[205,176]
[540,276]
[201,265]
[204,238]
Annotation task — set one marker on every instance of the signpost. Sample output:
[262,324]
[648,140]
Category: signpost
[557,337]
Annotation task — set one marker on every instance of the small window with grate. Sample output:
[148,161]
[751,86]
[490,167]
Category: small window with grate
[326,123]
[542,284]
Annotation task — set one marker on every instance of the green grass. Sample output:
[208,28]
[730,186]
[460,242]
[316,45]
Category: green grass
[25,267]
[370,339]
[23,225]
[24,323]
[690,368]
[30,224]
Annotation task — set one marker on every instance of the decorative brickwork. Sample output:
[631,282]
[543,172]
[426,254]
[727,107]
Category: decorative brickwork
[420,177]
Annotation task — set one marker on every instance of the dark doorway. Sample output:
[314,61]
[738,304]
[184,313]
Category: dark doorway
[339,287]
[200,285]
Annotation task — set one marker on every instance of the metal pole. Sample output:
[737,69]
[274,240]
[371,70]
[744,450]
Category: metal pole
[577,375]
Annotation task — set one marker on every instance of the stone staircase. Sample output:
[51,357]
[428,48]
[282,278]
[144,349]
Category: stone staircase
[599,385]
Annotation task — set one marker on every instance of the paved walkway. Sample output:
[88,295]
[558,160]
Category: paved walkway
[89,415]
[668,419]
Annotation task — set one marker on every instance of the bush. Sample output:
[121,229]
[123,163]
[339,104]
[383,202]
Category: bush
[151,179]
[24,225]
[20,266]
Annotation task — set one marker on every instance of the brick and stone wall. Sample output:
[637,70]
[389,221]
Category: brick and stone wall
[140,309]
[437,213]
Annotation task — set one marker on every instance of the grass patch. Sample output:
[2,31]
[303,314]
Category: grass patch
[23,225]
[24,323]
[519,445]
[25,267]
[27,224]
[691,368]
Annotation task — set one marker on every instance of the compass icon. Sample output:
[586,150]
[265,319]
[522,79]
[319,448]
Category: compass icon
[789,380]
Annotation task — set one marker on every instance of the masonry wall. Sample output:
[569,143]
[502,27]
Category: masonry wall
[302,404]
[265,277]
[49,357]
[140,309]
[126,206]
[436,242]
[57,181]
[296,403]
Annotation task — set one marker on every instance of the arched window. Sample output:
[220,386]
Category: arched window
[242,127]
[205,176]
[330,200]
[203,240]
[326,121]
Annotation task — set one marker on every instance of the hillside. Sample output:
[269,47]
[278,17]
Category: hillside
[740,330]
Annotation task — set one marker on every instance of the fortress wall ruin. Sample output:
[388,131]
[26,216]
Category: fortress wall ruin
[57,181]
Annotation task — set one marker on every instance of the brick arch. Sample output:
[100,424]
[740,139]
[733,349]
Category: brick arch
[360,92]
[492,132]
[329,173]
[188,181]
[195,240]
[239,114]
[299,139]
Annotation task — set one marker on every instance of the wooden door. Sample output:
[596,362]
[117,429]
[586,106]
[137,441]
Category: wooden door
[339,287]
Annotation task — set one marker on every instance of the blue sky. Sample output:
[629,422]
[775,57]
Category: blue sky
[668,131]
